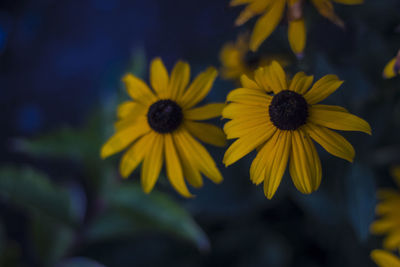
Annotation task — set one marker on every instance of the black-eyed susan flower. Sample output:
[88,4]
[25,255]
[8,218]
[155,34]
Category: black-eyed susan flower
[392,68]
[279,119]
[385,259]
[237,59]
[272,12]
[162,124]
[389,211]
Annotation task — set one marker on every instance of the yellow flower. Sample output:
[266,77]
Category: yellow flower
[272,12]
[385,259]
[237,59]
[160,125]
[392,68]
[389,210]
[279,119]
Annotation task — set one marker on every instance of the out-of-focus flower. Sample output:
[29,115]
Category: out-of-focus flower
[389,211]
[385,259]
[279,119]
[392,68]
[272,12]
[237,59]
[161,124]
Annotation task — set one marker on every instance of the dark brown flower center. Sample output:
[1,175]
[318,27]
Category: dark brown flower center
[288,110]
[165,116]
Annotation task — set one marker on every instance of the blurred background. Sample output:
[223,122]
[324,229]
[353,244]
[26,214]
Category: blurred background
[61,205]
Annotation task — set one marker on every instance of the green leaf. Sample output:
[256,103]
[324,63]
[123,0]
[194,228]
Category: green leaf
[51,239]
[130,210]
[32,190]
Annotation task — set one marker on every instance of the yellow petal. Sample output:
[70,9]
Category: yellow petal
[267,24]
[323,88]
[262,160]
[236,110]
[199,88]
[325,8]
[125,108]
[138,89]
[121,139]
[331,108]
[240,2]
[200,155]
[135,155]
[189,165]
[338,120]
[297,36]
[207,133]
[180,77]
[248,83]
[332,142]
[159,77]
[384,259]
[301,83]
[205,112]
[392,240]
[254,8]
[174,167]
[389,70]
[277,161]
[261,78]
[276,77]
[305,166]
[383,226]
[242,126]
[249,97]
[245,145]
[152,163]
[130,120]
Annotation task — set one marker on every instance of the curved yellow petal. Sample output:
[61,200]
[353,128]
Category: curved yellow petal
[152,163]
[199,88]
[248,83]
[207,133]
[174,167]
[249,97]
[180,77]
[331,108]
[205,112]
[240,127]
[323,88]
[337,120]
[138,89]
[121,139]
[205,162]
[245,145]
[301,83]
[389,70]
[261,79]
[325,8]
[159,79]
[254,8]
[384,259]
[332,142]
[264,156]
[236,110]
[276,77]
[277,161]
[135,155]
[189,165]
[392,240]
[266,24]
[305,165]
[297,36]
